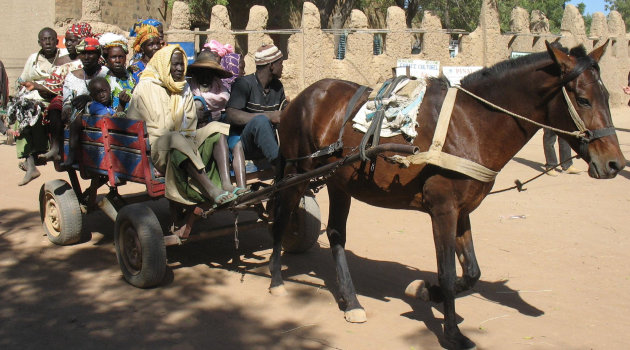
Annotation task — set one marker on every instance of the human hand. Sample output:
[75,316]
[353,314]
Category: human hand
[274,117]
[626,89]
[80,101]
[29,85]
[124,97]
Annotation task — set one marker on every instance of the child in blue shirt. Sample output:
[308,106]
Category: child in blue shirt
[101,94]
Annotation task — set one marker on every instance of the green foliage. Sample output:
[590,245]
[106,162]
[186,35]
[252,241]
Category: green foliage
[621,6]
[201,10]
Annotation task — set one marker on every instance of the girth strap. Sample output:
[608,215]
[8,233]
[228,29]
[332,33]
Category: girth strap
[337,145]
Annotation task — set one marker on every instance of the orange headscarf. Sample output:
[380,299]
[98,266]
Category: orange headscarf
[145,33]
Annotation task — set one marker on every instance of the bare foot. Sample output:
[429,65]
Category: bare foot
[29,176]
[52,155]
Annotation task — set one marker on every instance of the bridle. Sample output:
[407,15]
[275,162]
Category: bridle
[584,135]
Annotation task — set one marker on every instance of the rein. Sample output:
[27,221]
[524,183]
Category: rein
[518,185]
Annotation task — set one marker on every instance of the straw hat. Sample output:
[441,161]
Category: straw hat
[205,60]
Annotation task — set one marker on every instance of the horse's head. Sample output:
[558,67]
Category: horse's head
[582,105]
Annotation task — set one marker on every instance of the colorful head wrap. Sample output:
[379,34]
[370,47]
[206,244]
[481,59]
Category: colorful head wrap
[108,40]
[219,48]
[230,62]
[88,44]
[137,25]
[80,30]
[145,33]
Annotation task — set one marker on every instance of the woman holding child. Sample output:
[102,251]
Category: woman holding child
[163,99]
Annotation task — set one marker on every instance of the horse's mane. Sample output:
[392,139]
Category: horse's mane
[504,68]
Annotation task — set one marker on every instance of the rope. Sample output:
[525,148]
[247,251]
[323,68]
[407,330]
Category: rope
[519,185]
[576,134]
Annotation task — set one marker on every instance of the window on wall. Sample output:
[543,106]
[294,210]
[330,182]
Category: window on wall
[416,46]
[342,41]
[378,44]
[454,45]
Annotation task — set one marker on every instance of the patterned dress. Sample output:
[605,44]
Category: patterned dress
[118,86]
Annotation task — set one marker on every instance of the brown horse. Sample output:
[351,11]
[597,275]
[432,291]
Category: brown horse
[529,86]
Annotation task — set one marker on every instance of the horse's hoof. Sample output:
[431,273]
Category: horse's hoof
[418,290]
[460,342]
[355,316]
[278,291]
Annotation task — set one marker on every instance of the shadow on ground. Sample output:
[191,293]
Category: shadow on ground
[50,288]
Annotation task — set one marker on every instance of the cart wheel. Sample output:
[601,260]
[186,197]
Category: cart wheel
[306,226]
[140,246]
[60,212]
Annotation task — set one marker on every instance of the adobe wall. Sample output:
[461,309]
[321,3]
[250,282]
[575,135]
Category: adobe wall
[21,22]
[122,13]
[311,53]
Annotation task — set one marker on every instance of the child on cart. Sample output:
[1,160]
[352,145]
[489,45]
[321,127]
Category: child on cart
[101,94]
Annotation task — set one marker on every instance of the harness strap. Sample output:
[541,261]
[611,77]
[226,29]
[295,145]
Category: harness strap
[591,135]
[337,145]
[438,158]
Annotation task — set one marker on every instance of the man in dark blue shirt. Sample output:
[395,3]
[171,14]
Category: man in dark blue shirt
[254,107]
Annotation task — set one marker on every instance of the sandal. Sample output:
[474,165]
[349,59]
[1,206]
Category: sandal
[237,191]
[223,198]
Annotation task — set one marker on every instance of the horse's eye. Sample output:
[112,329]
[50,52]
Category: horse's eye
[583,102]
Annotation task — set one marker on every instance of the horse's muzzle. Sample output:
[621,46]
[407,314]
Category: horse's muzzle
[605,169]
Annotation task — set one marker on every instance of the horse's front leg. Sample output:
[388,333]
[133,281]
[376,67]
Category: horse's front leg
[466,255]
[445,224]
[339,207]
[467,259]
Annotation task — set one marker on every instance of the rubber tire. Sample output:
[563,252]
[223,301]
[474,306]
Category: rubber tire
[137,222]
[306,226]
[60,212]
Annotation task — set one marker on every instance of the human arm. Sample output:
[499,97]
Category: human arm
[239,117]
[41,89]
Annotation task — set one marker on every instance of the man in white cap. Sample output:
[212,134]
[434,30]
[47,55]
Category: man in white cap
[255,104]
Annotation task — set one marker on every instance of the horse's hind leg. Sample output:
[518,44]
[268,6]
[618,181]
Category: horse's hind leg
[466,255]
[339,208]
[285,203]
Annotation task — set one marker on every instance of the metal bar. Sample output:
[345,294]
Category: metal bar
[328,31]
[235,32]
[76,185]
[221,231]
[259,195]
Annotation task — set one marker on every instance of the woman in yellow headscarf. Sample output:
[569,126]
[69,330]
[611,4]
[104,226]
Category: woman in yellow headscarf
[162,98]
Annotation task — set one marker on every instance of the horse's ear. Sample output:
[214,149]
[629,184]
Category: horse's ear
[562,59]
[599,52]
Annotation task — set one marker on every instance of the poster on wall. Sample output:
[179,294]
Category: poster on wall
[456,74]
[418,68]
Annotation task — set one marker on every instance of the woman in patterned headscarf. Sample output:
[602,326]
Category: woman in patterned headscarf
[163,99]
[74,34]
[147,43]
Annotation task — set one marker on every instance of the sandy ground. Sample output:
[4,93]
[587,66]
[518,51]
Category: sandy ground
[553,279]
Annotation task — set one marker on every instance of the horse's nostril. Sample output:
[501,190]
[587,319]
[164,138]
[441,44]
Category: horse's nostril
[614,166]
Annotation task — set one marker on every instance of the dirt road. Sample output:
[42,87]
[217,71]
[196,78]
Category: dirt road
[552,261]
